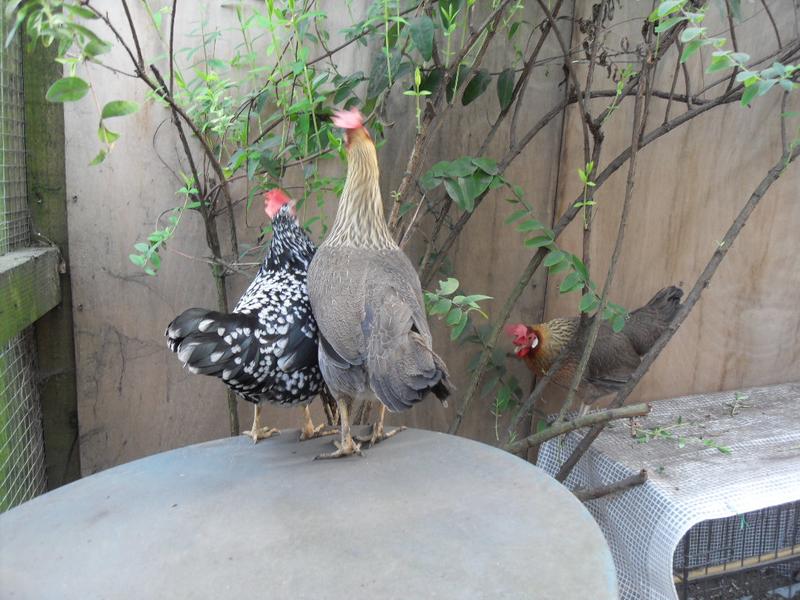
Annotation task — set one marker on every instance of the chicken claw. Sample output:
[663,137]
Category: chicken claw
[378,434]
[256,432]
[346,449]
[309,432]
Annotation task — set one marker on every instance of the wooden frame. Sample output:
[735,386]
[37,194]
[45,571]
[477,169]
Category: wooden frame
[47,199]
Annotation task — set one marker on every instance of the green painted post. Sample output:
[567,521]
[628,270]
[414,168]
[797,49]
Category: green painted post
[47,198]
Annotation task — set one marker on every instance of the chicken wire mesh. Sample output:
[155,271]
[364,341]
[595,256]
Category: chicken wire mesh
[22,474]
[15,228]
[21,445]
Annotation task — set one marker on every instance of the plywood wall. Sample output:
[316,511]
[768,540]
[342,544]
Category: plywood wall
[135,399]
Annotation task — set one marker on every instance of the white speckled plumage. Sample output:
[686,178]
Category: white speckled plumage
[266,349]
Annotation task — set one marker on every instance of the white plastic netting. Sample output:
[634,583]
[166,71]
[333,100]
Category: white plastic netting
[694,484]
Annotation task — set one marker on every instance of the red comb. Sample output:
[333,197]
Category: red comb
[348,119]
[274,199]
[516,330]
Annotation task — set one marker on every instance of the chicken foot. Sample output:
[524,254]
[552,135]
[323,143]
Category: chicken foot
[347,446]
[257,432]
[309,432]
[378,433]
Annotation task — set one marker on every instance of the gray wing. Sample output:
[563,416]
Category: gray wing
[373,324]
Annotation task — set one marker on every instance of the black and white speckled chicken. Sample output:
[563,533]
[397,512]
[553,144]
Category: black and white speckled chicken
[266,349]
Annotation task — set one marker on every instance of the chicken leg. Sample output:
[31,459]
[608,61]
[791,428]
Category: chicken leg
[378,434]
[257,432]
[309,432]
[347,446]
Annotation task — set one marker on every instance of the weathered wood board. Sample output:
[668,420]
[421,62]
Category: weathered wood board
[135,399]
[29,287]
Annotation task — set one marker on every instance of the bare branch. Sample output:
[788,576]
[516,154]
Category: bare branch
[588,420]
[586,494]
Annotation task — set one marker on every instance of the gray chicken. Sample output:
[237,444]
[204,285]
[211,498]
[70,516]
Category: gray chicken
[367,300]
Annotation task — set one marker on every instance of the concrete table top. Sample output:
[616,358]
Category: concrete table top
[421,515]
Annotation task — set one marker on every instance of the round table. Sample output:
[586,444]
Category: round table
[421,515]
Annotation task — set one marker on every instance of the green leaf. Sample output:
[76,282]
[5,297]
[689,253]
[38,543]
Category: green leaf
[463,71]
[442,307]
[422,35]
[80,11]
[106,135]
[505,88]
[748,94]
[552,259]
[454,316]
[668,6]
[68,89]
[476,86]
[457,168]
[473,298]
[430,82]
[456,332]
[539,242]
[719,62]
[691,33]
[118,108]
[588,302]
[618,323]
[474,187]
[668,24]
[96,48]
[529,225]
[455,192]
[379,74]
[579,266]
[448,286]
[571,282]
[765,86]
[562,266]
[517,214]
[137,259]
[101,156]
[142,247]
[487,165]
[689,49]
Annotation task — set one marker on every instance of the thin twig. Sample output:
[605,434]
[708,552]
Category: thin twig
[772,20]
[691,300]
[140,62]
[588,420]
[586,494]
[171,43]
[732,29]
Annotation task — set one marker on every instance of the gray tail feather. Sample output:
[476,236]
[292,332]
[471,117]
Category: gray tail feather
[406,375]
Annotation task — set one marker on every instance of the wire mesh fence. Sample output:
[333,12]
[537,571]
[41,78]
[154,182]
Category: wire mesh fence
[15,228]
[22,474]
[21,445]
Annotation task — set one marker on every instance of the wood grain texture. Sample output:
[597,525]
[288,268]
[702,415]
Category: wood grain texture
[29,287]
[690,186]
[134,397]
[47,200]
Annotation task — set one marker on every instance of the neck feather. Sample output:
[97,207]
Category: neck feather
[360,221]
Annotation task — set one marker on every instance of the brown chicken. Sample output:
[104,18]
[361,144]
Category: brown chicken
[615,356]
